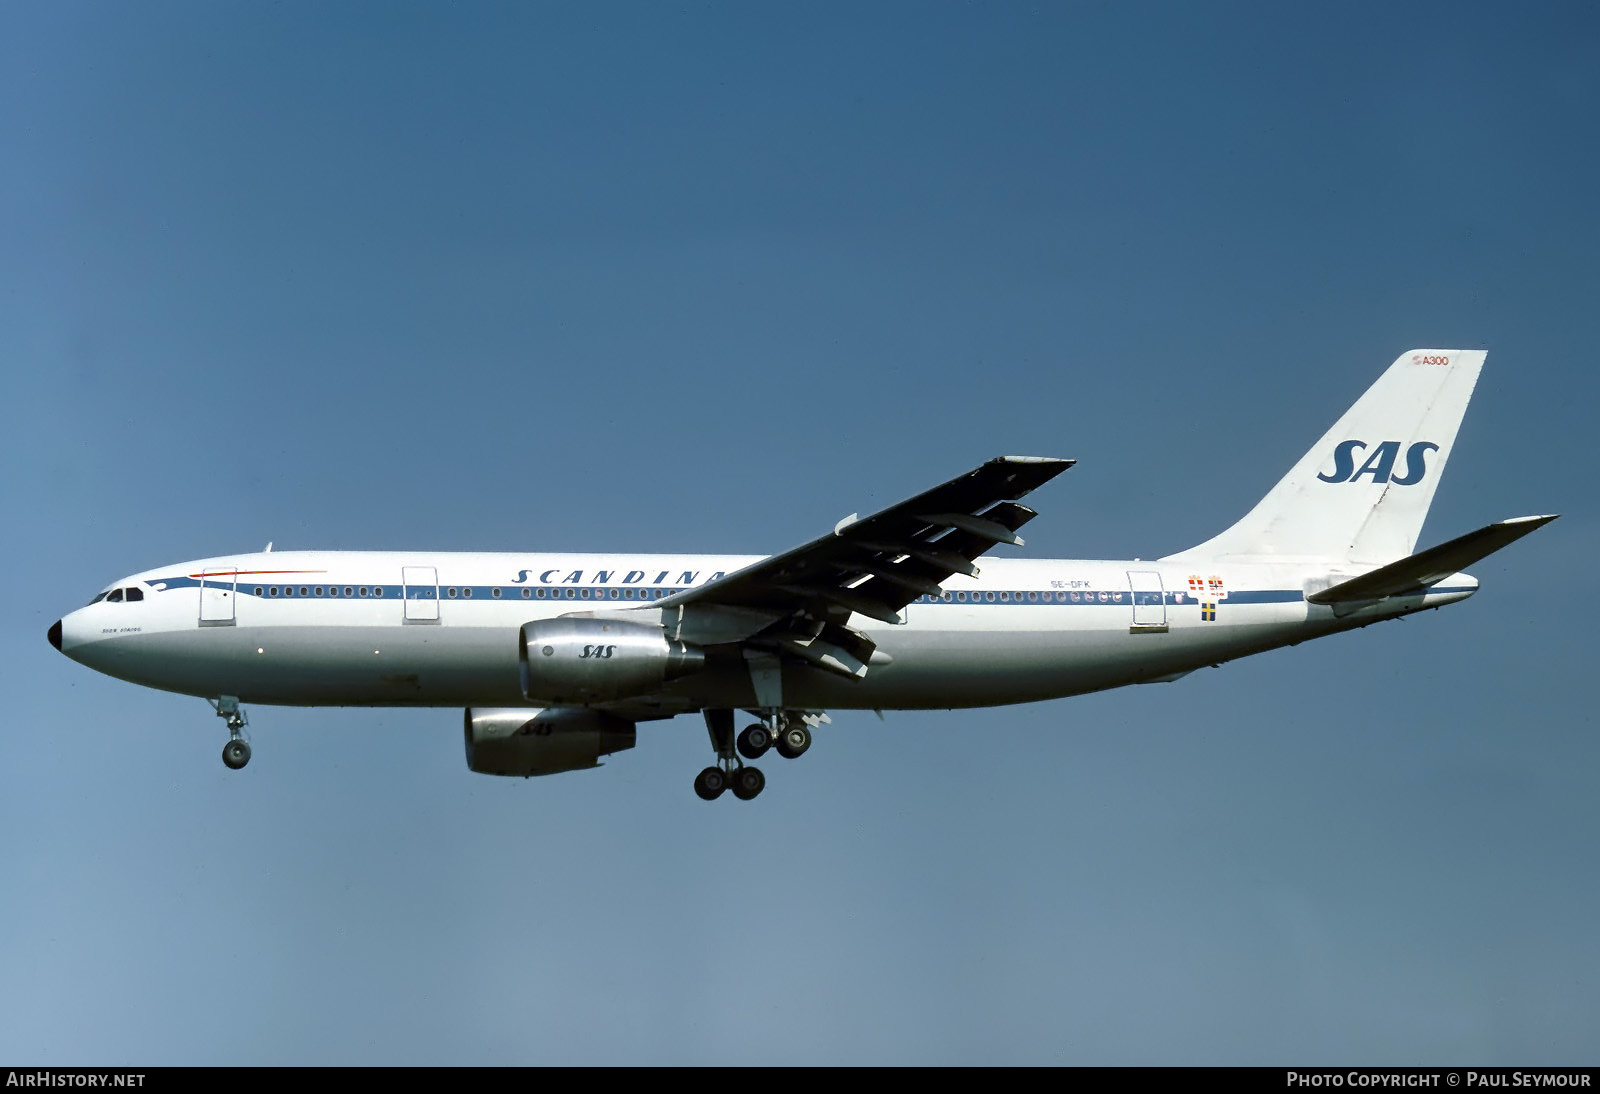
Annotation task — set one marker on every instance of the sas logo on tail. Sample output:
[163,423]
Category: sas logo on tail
[1380,462]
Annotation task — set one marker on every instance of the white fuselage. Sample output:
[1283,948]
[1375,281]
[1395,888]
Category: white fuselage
[437,629]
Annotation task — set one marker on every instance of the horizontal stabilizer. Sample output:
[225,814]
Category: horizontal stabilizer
[1433,565]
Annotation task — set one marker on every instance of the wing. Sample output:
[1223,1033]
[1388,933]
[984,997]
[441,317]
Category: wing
[798,604]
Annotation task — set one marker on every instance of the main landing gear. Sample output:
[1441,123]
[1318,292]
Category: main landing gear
[792,740]
[778,727]
[236,753]
[745,782]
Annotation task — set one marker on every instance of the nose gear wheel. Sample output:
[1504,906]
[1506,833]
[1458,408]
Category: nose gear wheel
[236,753]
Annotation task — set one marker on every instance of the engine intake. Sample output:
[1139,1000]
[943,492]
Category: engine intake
[520,741]
[585,661]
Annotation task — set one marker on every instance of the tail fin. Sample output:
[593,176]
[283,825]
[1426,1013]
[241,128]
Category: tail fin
[1362,492]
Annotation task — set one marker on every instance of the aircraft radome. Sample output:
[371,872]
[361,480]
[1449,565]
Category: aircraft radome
[555,658]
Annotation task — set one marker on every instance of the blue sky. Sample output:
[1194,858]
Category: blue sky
[710,277]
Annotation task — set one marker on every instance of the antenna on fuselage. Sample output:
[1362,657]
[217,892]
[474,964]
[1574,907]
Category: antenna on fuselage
[268,551]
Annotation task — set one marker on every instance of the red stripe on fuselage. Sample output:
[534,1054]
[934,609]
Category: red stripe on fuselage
[247,573]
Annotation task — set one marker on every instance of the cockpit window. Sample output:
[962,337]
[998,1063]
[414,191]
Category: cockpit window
[115,597]
[98,598]
[135,594]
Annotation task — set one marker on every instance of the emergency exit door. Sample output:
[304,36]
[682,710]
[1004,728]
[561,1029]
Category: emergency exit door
[1149,602]
[217,592]
[419,589]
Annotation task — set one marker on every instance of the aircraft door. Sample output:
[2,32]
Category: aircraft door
[1149,602]
[217,591]
[420,591]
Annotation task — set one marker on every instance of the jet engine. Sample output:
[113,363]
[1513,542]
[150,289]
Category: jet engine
[522,741]
[588,660]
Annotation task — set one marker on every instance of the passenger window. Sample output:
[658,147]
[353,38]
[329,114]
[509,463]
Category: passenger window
[377,591]
[347,590]
[614,594]
[467,591]
[302,590]
[452,592]
[627,594]
[318,590]
[527,594]
[495,592]
[258,590]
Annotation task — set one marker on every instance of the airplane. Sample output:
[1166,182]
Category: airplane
[556,658]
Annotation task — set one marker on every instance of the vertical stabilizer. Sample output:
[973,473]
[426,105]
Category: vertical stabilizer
[1363,491]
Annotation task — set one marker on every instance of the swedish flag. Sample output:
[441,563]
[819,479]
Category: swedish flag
[1208,612]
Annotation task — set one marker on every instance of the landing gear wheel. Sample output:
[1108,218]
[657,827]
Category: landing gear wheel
[793,742]
[710,783]
[747,783]
[754,741]
[236,753]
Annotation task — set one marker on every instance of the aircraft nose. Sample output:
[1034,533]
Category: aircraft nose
[55,634]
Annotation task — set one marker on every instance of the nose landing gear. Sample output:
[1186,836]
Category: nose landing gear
[236,753]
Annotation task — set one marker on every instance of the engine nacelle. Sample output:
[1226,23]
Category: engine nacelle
[596,660]
[520,741]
